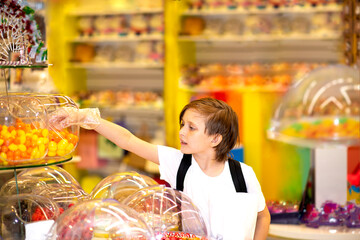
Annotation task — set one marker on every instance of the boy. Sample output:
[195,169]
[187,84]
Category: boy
[208,131]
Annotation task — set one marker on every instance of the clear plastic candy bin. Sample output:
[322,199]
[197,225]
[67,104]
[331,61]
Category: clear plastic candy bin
[20,212]
[170,213]
[26,137]
[121,185]
[321,109]
[100,219]
[51,181]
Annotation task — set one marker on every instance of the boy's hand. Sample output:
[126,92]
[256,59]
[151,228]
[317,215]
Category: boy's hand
[88,118]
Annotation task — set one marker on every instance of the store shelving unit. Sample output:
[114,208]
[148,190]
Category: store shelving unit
[72,76]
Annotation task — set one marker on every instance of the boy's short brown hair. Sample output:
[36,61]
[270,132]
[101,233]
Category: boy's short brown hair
[220,119]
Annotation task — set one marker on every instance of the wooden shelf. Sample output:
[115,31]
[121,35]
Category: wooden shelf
[104,12]
[262,38]
[114,65]
[265,88]
[267,10]
[104,39]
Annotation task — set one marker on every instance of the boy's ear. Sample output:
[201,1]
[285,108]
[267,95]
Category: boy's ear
[216,140]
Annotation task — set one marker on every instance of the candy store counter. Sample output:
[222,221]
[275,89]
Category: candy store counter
[287,231]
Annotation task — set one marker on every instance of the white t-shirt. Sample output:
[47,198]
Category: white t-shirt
[228,214]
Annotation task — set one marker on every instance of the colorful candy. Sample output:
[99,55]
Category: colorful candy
[324,128]
[23,143]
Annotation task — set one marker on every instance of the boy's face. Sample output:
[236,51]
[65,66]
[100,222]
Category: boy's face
[193,138]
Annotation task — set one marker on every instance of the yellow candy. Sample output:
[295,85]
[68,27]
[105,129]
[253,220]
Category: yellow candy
[3,155]
[42,148]
[69,148]
[13,133]
[23,139]
[20,132]
[40,141]
[60,152]
[1,141]
[22,147]
[45,133]
[13,147]
[34,138]
[51,153]
[63,144]
[52,146]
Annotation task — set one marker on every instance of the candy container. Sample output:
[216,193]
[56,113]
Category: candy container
[143,52]
[321,109]
[138,24]
[121,27]
[168,212]
[213,27]
[156,24]
[26,137]
[123,54]
[121,185]
[195,4]
[19,213]
[86,26]
[100,219]
[104,53]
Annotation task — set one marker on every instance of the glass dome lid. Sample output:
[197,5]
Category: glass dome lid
[121,185]
[321,109]
[100,219]
[170,213]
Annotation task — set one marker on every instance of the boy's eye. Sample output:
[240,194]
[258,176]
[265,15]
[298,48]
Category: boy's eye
[191,128]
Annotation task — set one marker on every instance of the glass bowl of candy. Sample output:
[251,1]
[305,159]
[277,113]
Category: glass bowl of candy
[26,137]
[20,212]
[121,185]
[100,219]
[170,213]
[321,109]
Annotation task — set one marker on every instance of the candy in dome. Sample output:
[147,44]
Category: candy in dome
[100,219]
[323,108]
[20,212]
[169,212]
[26,137]
[51,181]
[121,185]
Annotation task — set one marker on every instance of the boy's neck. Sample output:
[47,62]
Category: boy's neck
[210,166]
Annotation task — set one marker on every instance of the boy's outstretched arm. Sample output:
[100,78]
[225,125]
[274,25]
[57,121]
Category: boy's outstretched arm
[126,140]
[89,118]
[262,225]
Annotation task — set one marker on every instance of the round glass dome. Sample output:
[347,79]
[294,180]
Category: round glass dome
[52,182]
[100,219]
[121,185]
[170,213]
[27,138]
[321,109]
[18,211]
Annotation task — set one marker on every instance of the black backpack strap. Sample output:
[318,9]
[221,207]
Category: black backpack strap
[184,166]
[237,175]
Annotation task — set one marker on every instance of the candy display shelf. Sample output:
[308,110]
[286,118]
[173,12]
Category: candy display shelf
[114,39]
[269,88]
[263,38]
[287,231]
[242,11]
[114,65]
[106,12]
